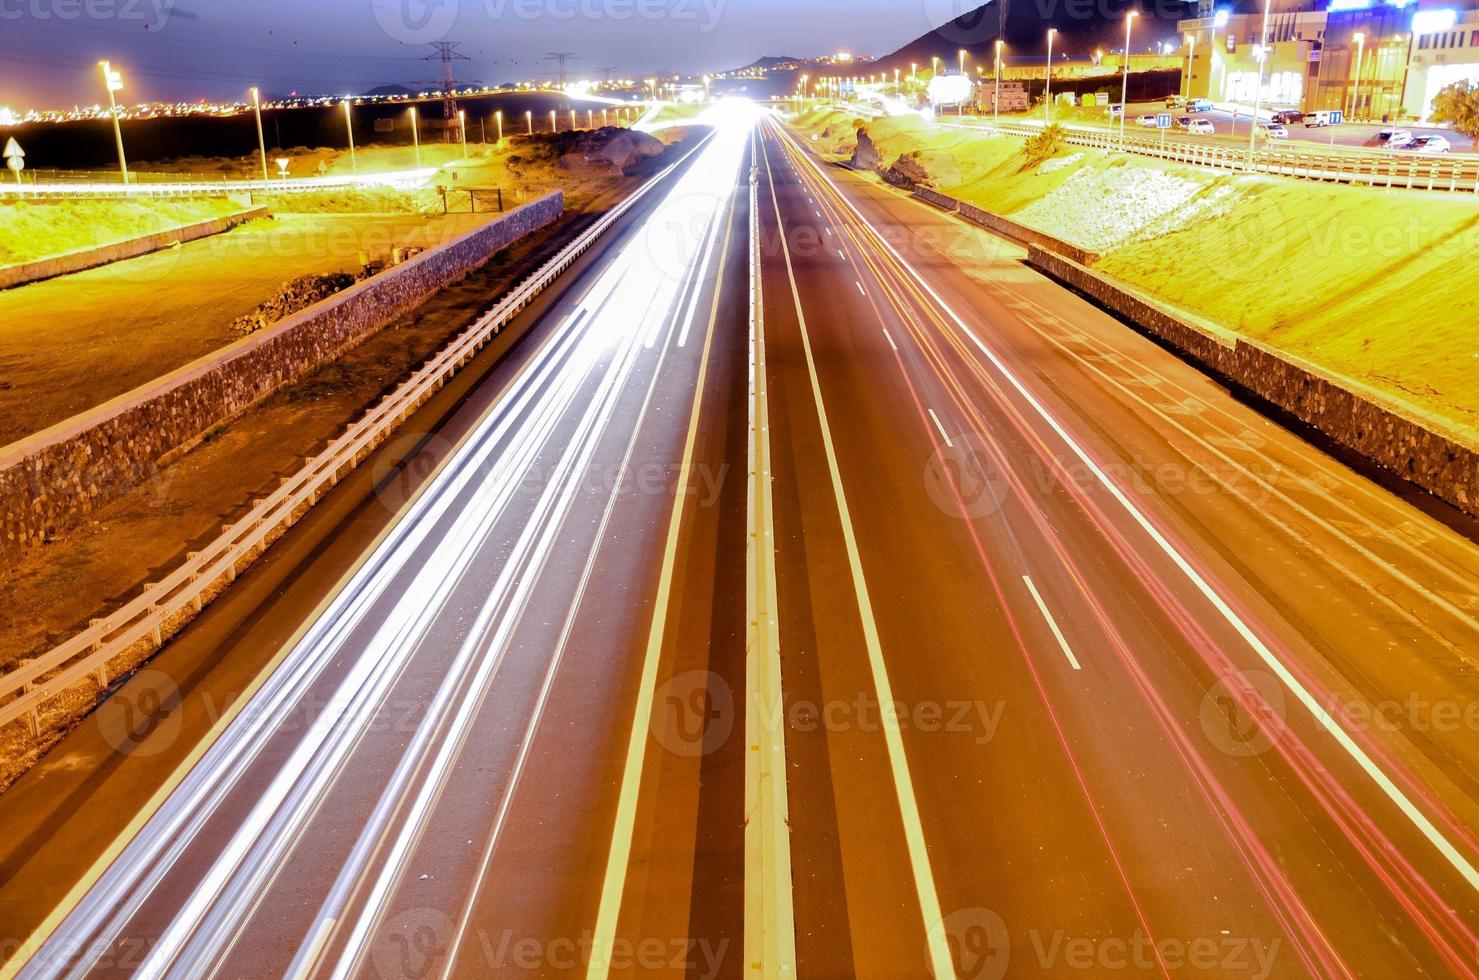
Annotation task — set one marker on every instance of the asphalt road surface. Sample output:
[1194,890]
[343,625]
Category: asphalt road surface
[1086,666]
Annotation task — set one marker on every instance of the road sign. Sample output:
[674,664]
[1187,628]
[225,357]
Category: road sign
[15,158]
[1337,116]
[1163,120]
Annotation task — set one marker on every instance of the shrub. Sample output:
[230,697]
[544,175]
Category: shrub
[1043,146]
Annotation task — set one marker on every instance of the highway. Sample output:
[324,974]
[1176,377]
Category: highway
[1026,520]
[1071,662]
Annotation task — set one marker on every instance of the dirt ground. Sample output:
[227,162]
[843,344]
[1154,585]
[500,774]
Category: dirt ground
[70,343]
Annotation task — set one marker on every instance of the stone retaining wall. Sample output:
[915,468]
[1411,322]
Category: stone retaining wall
[1420,451]
[56,477]
[1016,231]
[91,258]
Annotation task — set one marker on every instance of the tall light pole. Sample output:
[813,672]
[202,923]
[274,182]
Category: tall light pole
[1047,92]
[554,123]
[1191,60]
[462,130]
[913,73]
[113,82]
[498,118]
[1262,55]
[1125,82]
[529,119]
[348,127]
[416,137]
[1360,56]
[261,140]
[996,100]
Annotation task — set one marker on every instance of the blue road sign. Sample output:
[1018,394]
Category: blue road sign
[1337,116]
[1163,120]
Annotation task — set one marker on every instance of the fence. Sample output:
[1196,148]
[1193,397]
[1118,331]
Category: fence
[1411,171]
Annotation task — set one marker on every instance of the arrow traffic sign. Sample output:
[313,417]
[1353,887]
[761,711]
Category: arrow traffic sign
[13,149]
[1163,120]
[1337,116]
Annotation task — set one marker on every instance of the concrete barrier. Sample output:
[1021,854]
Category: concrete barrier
[53,479]
[1420,449]
[90,258]
[1005,227]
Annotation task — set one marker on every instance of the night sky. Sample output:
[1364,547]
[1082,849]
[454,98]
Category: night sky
[216,48]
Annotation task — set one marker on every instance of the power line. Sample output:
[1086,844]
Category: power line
[562,58]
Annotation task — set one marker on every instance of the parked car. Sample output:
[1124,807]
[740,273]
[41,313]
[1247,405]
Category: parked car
[1175,102]
[1390,139]
[1288,116]
[1201,127]
[1320,117]
[1116,109]
[1148,119]
[1429,144]
[1273,130]
[1183,122]
[1199,105]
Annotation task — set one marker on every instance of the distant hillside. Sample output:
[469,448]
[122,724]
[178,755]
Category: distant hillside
[772,61]
[390,90]
[1026,25]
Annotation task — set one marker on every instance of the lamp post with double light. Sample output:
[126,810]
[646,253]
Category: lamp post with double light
[1047,91]
[1125,76]
[113,82]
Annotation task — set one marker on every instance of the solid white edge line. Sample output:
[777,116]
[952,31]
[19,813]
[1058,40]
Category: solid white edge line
[1042,607]
[1302,694]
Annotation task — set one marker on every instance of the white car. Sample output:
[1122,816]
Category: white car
[1390,139]
[1201,127]
[1273,130]
[1429,144]
[1146,120]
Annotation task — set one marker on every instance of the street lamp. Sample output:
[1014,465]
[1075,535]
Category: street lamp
[1047,92]
[913,73]
[1125,79]
[554,124]
[1360,38]
[462,130]
[1191,60]
[962,61]
[1262,56]
[996,100]
[261,141]
[348,127]
[498,118]
[529,118]
[113,82]
[416,137]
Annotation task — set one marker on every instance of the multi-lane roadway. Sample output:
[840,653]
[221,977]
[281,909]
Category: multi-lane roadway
[1084,665]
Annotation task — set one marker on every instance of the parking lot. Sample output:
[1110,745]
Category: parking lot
[1230,128]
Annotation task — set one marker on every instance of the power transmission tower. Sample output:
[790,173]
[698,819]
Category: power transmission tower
[606,70]
[446,52]
[562,58]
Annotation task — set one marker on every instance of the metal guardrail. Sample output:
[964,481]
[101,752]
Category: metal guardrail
[167,605]
[1390,169]
[90,184]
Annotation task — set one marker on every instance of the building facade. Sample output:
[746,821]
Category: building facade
[1376,60]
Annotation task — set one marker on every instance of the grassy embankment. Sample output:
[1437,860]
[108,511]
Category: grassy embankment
[31,230]
[1371,284]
